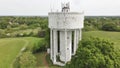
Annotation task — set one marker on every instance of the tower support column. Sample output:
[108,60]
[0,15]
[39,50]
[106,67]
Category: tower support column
[77,37]
[75,42]
[65,46]
[62,46]
[55,44]
[69,45]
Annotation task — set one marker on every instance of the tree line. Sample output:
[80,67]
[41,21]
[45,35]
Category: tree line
[15,21]
[11,24]
[102,23]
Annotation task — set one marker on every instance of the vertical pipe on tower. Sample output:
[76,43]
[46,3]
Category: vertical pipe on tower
[51,43]
[74,42]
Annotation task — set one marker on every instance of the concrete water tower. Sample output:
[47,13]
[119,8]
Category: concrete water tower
[65,33]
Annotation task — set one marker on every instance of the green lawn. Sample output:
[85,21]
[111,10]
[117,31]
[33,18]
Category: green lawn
[10,48]
[112,36]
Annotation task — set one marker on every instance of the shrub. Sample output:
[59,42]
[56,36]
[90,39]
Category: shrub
[2,34]
[23,27]
[39,47]
[19,35]
[31,34]
[27,60]
[47,37]
[16,63]
[41,33]
[118,29]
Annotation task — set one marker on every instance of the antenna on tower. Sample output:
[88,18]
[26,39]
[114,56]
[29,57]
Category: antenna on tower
[50,8]
[65,7]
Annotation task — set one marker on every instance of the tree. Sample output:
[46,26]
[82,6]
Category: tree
[3,25]
[95,53]
[109,27]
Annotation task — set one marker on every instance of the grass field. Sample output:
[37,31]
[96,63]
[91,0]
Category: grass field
[112,36]
[10,48]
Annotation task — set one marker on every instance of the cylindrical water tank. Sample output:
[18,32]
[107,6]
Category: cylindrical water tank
[66,20]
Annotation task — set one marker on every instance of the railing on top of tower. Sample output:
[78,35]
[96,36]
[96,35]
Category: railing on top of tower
[65,7]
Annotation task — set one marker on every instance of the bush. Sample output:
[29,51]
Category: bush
[41,33]
[31,34]
[23,27]
[47,37]
[118,29]
[16,63]
[2,34]
[95,53]
[19,35]
[27,60]
[39,47]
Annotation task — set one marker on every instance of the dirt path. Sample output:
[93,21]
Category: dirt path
[45,62]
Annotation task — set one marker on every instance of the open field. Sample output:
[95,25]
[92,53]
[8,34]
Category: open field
[10,48]
[112,36]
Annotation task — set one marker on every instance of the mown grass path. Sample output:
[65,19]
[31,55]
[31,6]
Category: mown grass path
[26,44]
[11,47]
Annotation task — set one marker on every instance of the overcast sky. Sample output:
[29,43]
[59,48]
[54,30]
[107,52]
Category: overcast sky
[42,7]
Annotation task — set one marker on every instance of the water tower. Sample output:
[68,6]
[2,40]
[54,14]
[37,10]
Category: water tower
[65,33]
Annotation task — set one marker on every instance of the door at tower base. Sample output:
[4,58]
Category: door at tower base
[65,45]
